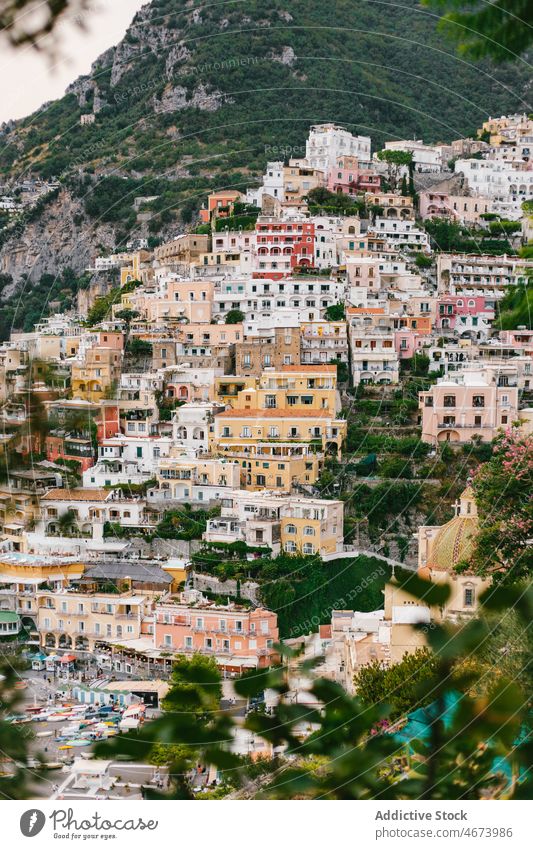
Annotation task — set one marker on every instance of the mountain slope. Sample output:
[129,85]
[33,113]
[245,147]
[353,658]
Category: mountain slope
[198,96]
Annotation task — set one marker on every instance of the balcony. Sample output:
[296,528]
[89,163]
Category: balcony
[445,426]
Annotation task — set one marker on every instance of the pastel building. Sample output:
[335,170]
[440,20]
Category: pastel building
[279,522]
[476,401]
[464,313]
[78,620]
[238,637]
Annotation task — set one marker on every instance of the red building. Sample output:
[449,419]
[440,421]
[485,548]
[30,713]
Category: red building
[282,246]
[63,446]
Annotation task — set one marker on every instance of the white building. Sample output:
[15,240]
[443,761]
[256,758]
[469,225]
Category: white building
[401,234]
[507,184]
[328,142]
[426,157]
[191,424]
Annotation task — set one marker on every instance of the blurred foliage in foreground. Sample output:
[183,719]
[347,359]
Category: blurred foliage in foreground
[482,749]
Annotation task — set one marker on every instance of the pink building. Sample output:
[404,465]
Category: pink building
[462,313]
[238,637]
[475,401]
[348,179]
[435,204]
[408,342]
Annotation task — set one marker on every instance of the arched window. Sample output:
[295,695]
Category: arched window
[290,529]
[308,548]
[309,531]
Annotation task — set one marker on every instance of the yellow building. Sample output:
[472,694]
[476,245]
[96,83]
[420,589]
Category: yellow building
[99,370]
[80,620]
[312,526]
[246,428]
[227,388]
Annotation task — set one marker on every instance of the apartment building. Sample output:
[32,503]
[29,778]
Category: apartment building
[466,314]
[466,209]
[298,403]
[95,373]
[67,619]
[238,637]
[327,143]
[282,246]
[192,424]
[373,354]
[272,347]
[323,342]
[185,479]
[137,403]
[476,401]
[468,275]
[507,183]
[299,179]
[401,233]
[279,522]
[73,520]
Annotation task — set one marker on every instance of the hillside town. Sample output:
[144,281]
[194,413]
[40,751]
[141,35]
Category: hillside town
[310,373]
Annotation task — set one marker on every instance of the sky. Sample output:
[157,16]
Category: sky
[29,78]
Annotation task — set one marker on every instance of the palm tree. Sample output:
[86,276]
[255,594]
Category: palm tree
[66,523]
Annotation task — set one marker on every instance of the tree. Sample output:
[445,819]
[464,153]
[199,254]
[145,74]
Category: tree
[401,685]
[396,161]
[196,675]
[457,749]
[234,317]
[502,29]
[15,13]
[66,523]
[335,312]
[502,489]
[515,308]
[14,739]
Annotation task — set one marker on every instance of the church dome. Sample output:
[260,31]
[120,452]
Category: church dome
[454,542]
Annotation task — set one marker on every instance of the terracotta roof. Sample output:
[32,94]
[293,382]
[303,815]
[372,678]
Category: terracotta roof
[275,414]
[76,495]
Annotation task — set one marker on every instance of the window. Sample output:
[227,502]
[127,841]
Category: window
[188,642]
[469,597]
[246,431]
[478,401]
[139,451]
[290,529]
[290,547]
[273,432]
[168,639]
[309,531]
[449,400]
[477,421]
[261,480]
[308,548]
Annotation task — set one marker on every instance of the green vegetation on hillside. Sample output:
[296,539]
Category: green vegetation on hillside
[378,78]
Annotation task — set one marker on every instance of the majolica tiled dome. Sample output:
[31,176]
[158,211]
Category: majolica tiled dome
[454,542]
